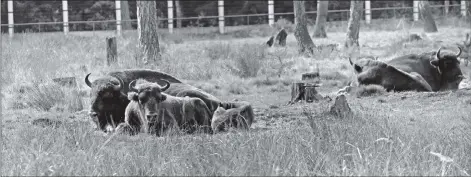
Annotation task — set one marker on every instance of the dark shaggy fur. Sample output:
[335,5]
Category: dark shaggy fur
[379,73]
[441,71]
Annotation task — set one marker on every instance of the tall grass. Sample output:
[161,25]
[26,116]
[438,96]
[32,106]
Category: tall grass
[316,144]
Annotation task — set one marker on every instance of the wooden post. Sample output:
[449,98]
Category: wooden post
[221,16]
[118,17]
[111,51]
[271,12]
[304,91]
[65,16]
[447,6]
[368,11]
[416,10]
[463,8]
[10,18]
[170,15]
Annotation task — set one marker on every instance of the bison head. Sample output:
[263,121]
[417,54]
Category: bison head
[448,67]
[149,95]
[106,101]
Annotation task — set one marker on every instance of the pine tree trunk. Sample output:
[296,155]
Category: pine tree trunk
[353,30]
[178,13]
[426,14]
[305,43]
[147,31]
[319,29]
[126,24]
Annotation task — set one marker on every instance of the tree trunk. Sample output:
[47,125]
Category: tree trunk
[178,13]
[305,43]
[126,24]
[319,29]
[353,29]
[426,14]
[147,31]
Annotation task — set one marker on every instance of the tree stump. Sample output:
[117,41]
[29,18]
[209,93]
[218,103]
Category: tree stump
[310,76]
[304,91]
[341,108]
[270,41]
[66,81]
[281,37]
[111,51]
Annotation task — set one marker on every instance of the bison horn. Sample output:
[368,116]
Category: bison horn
[350,60]
[459,53]
[131,86]
[438,53]
[120,83]
[167,85]
[88,81]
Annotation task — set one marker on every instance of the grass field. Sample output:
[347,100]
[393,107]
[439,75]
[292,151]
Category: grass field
[46,130]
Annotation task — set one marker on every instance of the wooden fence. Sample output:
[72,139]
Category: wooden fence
[170,17]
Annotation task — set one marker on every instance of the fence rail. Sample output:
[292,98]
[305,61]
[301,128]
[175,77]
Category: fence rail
[221,16]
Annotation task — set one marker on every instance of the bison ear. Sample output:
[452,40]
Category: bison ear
[435,63]
[358,69]
[132,96]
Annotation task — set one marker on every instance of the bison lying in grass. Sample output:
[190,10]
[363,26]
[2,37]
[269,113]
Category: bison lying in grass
[152,111]
[109,95]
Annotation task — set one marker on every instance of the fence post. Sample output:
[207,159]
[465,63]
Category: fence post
[170,15]
[221,16]
[368,11]
[463,8]
[118,17]
[271,12]
[447,6]
[416,10]
[65,16]
[111,51]
[10,18]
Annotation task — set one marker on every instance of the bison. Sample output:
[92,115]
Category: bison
[441,72]
[227,116]
[134,120]
[109,95]
[163,111]
[379,73]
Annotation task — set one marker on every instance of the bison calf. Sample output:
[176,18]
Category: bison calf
[164,111]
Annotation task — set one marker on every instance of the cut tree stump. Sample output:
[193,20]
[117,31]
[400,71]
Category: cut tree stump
[341,108]
[304,91]
[111,51]
[281,37]
[66,81]
[310,76]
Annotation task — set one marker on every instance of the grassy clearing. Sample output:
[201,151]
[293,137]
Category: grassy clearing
[390,134]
